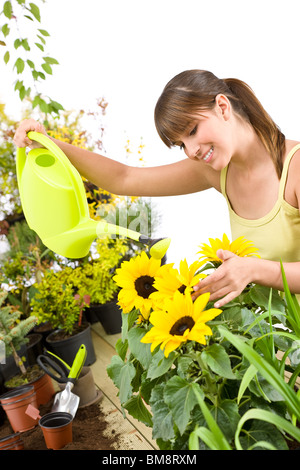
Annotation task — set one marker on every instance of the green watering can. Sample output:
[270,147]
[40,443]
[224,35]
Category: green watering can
[55,205]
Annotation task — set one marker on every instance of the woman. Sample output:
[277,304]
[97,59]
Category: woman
[232,145]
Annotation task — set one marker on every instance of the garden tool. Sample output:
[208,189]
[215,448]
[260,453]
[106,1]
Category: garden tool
[65,401]
[55,204]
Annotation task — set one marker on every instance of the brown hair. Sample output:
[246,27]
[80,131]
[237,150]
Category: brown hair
[193,91]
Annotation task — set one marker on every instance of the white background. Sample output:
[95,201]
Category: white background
[127,50]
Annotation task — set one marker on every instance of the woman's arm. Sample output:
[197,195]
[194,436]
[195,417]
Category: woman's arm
[230,279]
[177,178]
[235,273]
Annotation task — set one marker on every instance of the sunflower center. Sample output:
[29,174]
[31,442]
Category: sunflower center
[144,286]
[181,325]
[181,289]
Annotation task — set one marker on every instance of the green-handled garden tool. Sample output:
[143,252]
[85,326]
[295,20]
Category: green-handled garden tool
[64,401]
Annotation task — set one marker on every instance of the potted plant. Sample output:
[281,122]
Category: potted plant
[13,333]
[55,303]
[95,279]
[204,378]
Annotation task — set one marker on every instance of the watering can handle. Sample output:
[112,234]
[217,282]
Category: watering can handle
[46,142]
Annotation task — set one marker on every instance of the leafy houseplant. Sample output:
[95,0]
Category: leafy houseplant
[13,332]
[201,378]
[56,303]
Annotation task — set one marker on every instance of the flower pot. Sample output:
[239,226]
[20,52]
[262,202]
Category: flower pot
[44,389]
[15,403]
[109,315]
[57,429]
[9,369]
[7,440]
[43,329]
[86,389]
[67,348]
[11,442]
[33,348]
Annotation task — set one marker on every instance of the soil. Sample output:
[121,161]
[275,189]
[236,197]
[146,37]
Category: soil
[89,430]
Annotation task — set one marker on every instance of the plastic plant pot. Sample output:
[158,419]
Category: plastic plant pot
[15,404]
[57,429]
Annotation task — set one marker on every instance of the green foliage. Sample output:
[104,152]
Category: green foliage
[232,393]
[54,302]
[94,276]
[13,331]
[23,40]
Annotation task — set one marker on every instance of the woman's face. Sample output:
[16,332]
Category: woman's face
[209,137]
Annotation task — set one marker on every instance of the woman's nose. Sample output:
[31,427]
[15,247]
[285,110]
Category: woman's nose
[192,151]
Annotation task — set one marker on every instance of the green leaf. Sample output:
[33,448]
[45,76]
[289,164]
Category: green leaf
[266,369]
[50,60]
[25,44]
[180,398]
[34,9]
[7,9]
[17,43]
[162,417]
[217,359]
[31,64]
[19,64]
[140,350]
[121,374]
[39,46]
[57,106]
[159,364]
[269,417]
[137,409]
[227,417]
[47,68]
[248,376]
[121,348]
[43,32]
[6,57]
[5,30]
[218,440]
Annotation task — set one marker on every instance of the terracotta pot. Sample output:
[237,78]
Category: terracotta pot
[12,442]
[86,389]
[57,429]
[9,440]
[44,389]
[15,403]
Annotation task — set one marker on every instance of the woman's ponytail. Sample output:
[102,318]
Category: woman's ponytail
[246,104]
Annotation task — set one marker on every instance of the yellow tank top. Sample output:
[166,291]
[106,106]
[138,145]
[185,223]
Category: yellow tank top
[277,234]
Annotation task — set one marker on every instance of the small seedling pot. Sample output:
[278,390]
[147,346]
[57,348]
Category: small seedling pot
[57,429]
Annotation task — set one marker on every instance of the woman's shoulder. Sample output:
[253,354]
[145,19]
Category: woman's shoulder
[292,190]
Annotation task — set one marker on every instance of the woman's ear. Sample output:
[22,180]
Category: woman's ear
[223,106]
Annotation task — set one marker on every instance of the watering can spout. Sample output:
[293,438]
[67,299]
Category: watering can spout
[55,204]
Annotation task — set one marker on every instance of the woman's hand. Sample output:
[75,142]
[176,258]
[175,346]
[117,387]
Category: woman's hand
[21,138]
[228,280]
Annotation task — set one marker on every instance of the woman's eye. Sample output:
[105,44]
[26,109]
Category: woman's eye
[193,131]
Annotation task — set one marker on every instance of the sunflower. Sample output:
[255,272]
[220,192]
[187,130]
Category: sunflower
[240,247]
[169,280]
[180,321]
[136,278]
